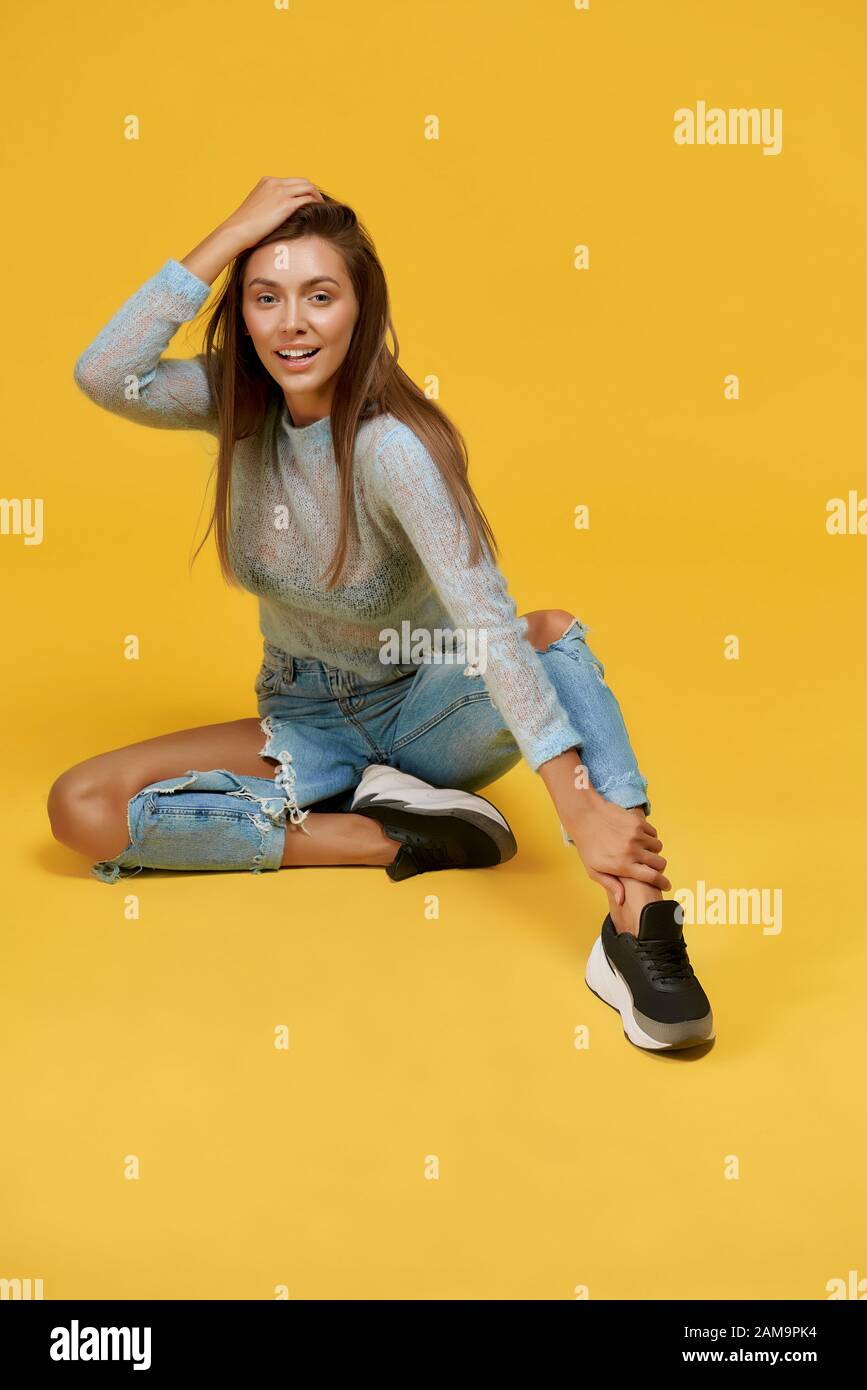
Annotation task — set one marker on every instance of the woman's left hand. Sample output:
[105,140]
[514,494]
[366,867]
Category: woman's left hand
[615,842]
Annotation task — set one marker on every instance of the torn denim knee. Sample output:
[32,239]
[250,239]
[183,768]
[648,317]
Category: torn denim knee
[202,820]
[284,777]
[110,870]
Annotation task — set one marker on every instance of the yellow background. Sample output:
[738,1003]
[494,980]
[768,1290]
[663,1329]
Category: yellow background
[559,1167]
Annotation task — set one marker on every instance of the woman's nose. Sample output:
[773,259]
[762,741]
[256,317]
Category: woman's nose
[294,318]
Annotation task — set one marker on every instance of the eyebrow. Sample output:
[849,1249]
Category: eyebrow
[275,284]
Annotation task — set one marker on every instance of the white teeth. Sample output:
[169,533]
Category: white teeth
[297,352]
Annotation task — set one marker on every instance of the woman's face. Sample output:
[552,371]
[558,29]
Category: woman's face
[297,294]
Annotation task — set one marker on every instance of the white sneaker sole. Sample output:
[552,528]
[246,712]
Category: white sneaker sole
[388,787]
[609,985]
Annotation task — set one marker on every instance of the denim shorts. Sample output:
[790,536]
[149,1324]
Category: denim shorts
[324,726]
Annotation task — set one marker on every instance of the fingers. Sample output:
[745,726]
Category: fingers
[656,860]
[613,885]
[651,842]
[275,179]
[643,829]
[647,874]
[299,187]
[648,868]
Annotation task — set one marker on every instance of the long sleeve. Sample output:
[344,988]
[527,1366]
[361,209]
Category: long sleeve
[123,369]
[409,483]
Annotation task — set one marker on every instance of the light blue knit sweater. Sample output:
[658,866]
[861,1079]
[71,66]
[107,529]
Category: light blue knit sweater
[408,561]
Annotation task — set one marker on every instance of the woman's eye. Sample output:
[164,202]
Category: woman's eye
[319,295]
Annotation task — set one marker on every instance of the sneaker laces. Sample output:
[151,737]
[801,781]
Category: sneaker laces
[668,959]
[429,854]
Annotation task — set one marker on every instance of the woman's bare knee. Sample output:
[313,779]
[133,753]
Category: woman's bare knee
[88,804]
[235,745]
[87,814]
[546,625]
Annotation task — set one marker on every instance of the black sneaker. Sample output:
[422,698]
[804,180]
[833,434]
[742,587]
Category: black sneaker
[439,827]
[649,980]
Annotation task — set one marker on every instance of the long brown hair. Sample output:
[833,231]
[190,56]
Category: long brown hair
[369,383]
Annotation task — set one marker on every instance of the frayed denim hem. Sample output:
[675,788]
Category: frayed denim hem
[169,822]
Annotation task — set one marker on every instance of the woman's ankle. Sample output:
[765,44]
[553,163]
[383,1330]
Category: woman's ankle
[623,916]
[626,917]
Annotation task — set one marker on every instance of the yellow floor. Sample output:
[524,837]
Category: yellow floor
[431,1130]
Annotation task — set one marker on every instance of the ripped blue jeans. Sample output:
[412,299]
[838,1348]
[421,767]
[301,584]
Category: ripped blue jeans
[324,726]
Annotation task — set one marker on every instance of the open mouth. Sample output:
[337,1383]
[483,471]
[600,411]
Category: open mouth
[305,356]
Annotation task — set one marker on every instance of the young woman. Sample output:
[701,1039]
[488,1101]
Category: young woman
[342,501]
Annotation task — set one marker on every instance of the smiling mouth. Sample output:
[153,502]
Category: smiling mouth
[298,356]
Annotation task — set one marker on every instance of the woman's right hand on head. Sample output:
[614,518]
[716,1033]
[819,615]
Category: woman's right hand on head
[266,206]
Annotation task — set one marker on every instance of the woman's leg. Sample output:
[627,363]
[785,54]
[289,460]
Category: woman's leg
[132,804]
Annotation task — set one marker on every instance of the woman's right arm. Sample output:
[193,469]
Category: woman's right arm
[124,371]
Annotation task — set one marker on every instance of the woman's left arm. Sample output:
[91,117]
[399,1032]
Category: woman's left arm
[476,597]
